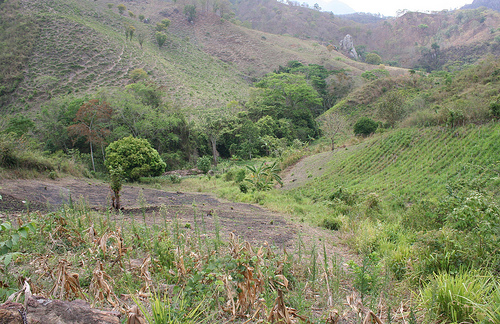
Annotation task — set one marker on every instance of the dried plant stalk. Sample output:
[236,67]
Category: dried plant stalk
[100,288]
[66,285]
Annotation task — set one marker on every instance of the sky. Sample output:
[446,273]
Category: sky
[390,7]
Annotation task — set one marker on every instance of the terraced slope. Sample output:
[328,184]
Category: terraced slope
[410,164]
[203,65]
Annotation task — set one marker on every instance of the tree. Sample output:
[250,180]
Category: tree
[141,17]
[148,92]
[287,96]
[121,8]
[212,127]
[20,125]
[140,38]
[135,157]
[131,14]
[161,38]
[129,32]
[110,5]
[365,126]
[138,74]
[392,107]
[373,58]
[332,123]
[90,123]
[163,25]
[190,12]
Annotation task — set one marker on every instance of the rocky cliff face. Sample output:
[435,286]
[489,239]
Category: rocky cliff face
[347,45]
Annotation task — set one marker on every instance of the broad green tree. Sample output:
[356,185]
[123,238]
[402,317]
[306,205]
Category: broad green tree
[373,58]
[161,38]
[135,157]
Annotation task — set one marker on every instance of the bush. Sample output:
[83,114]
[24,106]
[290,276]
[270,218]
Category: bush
[453,297]
[343,194]
[204,163]
[332,224]
[136,157]
[365,126]
[373,58]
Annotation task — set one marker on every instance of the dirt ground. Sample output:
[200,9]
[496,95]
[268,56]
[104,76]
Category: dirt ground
[250,222]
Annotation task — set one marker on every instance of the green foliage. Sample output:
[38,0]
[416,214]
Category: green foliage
[175,178]
[332,224]
[163,25]
[135,156]
[454,297]
[174,310]
[263,177]
[495,109]
[287,97]
[392,107]
[373,58]
[138,75]
[375,74]
[366,275]
[190,12]
[129,32]
[204,163]
[365,126]
[19,125]
[18,34]
[21,154]
[161,38]
[347,196]
[121,8]
[8,246]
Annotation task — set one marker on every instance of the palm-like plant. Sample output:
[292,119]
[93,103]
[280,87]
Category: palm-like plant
[264,176]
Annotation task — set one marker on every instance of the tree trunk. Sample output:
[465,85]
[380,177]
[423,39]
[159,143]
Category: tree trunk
[213,140]
[333,145]
[92,156]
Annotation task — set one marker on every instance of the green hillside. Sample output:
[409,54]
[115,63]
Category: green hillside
[81,47]
[412,164]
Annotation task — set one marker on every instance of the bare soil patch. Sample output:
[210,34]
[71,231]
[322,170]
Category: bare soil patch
[204,211]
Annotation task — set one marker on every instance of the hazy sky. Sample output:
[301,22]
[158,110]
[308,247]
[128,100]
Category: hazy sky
[389,7]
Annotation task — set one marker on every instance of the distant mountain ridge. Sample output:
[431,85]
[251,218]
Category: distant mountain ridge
[491,4]
[337,7]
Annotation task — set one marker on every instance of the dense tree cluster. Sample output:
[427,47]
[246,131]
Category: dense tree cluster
[281,110]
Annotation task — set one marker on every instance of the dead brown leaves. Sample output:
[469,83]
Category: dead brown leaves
[66,284]
[100,286]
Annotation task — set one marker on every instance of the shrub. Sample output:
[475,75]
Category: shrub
[343,194]
[365,126]
[495,109]
[453,297]
[332,224]
[204,163]
[175,178]
[135,156]
[373,58]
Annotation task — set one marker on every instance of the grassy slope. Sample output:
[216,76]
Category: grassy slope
[204,65]
[410,164]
